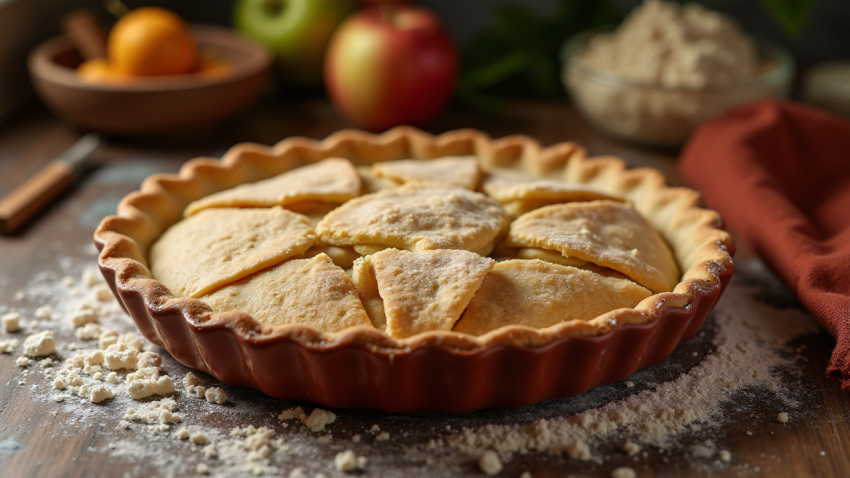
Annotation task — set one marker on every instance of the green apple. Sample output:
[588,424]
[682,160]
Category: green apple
[296,31]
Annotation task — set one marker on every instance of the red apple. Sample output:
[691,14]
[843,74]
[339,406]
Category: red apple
[390,65]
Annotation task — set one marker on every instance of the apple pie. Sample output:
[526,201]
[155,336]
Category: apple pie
[409,272]
[437,245]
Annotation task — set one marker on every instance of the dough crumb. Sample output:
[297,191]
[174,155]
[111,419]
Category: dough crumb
[40,344]
[623,472]
[198,438]
[23,361]
[318,419]
[102,292]
[44,312]
[578,450]
[99,393]
[107,338]
[148,359]
[347,461]
[631,448]
[151,412]
[90,278]
[11,322]
[86,313]
[147,382]
[202,469]
[782,417]
[724,456]
[215,395]
[8,346]
[89,331]
[165,416]
[210,452]
[490,463]
[120,356]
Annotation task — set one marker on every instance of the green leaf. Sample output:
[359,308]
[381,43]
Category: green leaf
[520,56]
[791,15]
[495,71]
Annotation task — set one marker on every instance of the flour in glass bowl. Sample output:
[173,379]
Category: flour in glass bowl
[673,66]
[678,406]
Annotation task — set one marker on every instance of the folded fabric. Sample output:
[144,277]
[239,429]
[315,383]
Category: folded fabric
[779,173]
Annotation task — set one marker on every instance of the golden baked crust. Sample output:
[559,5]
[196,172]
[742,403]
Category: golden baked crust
[426,291]
[416,218]
[606,233]
[452,171]
[539,294]
[219,246]
[519,192]
[700,246]
[333,180]
[313,292]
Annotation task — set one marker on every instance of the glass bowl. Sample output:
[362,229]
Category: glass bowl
[659,115]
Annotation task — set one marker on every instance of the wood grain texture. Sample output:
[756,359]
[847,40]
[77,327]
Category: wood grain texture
[30,197]
[814,443]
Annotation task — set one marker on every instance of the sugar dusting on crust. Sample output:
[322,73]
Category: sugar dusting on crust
[683,412]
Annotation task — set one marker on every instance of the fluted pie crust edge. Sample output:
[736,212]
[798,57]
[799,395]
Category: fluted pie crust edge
[700,245]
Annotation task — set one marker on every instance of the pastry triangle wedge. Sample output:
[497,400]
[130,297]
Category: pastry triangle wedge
[332,180]
[218,246]
[429,290]
[449,171]
[520,193]
[311,291]
[406,293]
[609,234]
[416,218]
[539,294]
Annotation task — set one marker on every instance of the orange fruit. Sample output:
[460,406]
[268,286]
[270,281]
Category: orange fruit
[152,41]
[99,71]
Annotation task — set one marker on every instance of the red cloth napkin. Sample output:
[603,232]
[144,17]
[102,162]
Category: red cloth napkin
[779,173]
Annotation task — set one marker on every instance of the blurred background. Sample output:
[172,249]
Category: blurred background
[813,31]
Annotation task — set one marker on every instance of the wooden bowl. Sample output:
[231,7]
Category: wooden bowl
[152,106]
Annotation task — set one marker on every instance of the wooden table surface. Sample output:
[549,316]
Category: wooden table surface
[36,441]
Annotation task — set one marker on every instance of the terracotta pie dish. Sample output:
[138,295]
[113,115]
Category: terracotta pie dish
[435,370]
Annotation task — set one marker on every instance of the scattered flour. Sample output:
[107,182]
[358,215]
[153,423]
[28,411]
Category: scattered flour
[749,345]
[749,353]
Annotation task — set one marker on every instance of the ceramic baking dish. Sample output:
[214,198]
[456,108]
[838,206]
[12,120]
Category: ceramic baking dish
[436,371]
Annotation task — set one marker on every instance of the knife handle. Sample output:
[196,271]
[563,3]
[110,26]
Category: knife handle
[28,198]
